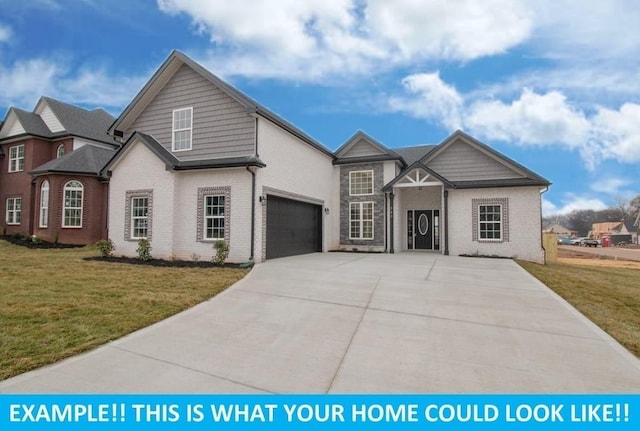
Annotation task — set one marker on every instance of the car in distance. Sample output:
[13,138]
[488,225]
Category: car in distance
[589,242]
[578,241]
[564,240]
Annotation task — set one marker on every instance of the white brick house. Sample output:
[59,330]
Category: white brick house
[202,162]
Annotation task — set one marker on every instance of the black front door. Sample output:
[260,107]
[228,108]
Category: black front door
[423,229]
[423,223]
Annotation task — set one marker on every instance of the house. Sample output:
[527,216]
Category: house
[560,230]
[598,230]
[202,162]
[50,172]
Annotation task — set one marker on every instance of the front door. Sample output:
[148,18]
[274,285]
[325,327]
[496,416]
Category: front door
[423,228]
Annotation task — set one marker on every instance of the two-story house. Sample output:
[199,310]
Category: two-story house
[50,172]
[202,162]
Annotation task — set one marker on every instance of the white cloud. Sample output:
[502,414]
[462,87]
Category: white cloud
[571,203]
[429,97]
[464,29]
[316,39]
[24,82]
[533,119]
[610,186]
[5,33]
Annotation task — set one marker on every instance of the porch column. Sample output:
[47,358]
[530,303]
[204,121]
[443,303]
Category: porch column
[446,222]
[391,222]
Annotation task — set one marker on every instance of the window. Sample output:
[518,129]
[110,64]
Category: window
[60,151]
[360,183]
[361,220]
[16,158]
[214,217]
[182,119]
[72,204]
[214,211]
[14,210]
[139,217]
[44,204]
[490,222]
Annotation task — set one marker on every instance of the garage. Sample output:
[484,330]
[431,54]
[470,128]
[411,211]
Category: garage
[293,227]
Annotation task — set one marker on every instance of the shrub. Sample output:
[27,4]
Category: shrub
[105,247]
[222,252]
[144,249]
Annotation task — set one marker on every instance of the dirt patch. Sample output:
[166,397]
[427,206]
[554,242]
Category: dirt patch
[31,242]
[577,257]
[169,263]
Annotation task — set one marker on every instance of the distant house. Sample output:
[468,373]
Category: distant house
[203,162]
[50,172]
[598,230]
[560,230]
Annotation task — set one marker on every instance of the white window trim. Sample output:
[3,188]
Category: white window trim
[60,147]
[359,172]
[64,207]
[11,214]
[480,239]
[174,130]
[206,217]
[44,204]
[135,218]
[16,158]
[361,220]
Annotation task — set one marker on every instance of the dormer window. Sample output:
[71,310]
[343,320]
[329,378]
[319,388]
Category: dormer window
[181,136]
[16,158]
[60,151]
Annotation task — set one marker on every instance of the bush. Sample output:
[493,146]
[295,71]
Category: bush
[105,247]
[222,252]
[144,249]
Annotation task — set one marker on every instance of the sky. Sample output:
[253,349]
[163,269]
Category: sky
[552,84]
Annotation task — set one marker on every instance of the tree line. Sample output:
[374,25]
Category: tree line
[581,220]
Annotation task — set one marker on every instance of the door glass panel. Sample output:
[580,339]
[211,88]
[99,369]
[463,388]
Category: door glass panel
[423,224]
[436,230]
[410,230]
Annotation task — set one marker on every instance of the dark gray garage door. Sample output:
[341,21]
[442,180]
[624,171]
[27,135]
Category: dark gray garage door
[293,227]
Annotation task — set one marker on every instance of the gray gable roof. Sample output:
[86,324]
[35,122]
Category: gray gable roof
[86,160]
[31,122]
[168,68]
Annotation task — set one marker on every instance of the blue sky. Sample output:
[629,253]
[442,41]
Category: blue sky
[554,85]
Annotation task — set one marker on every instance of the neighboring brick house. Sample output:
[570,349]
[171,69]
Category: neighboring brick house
[202,162]
[50,165]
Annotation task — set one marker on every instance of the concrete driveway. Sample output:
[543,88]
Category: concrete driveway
[339,322]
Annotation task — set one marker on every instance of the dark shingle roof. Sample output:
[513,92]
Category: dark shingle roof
[414,154]
[88,159]
[32,123]
[81,122]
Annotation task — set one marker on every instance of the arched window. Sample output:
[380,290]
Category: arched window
[72,204]
[60,150]
[44,204]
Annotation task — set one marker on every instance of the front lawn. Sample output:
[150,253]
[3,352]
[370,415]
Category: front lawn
[54,304]
[608,296]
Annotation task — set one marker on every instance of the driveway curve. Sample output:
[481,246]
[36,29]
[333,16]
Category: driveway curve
[360,323]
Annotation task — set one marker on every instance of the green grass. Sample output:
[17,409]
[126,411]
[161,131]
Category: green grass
[609,297]
[54,304]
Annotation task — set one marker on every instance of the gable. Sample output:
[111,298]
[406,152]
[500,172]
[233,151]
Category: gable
[362,147]
[11,127]
[49,118]
[462,162]
[221,126]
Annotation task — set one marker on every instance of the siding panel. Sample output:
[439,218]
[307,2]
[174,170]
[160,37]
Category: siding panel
[461,162]
[362,148]
[221,126]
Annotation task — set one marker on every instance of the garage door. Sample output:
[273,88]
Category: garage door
[293,227]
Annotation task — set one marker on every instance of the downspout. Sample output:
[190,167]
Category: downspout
[542,227]
[253,211]
[391,222]
[446,222]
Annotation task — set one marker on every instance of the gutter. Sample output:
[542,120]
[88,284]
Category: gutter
[541,227]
